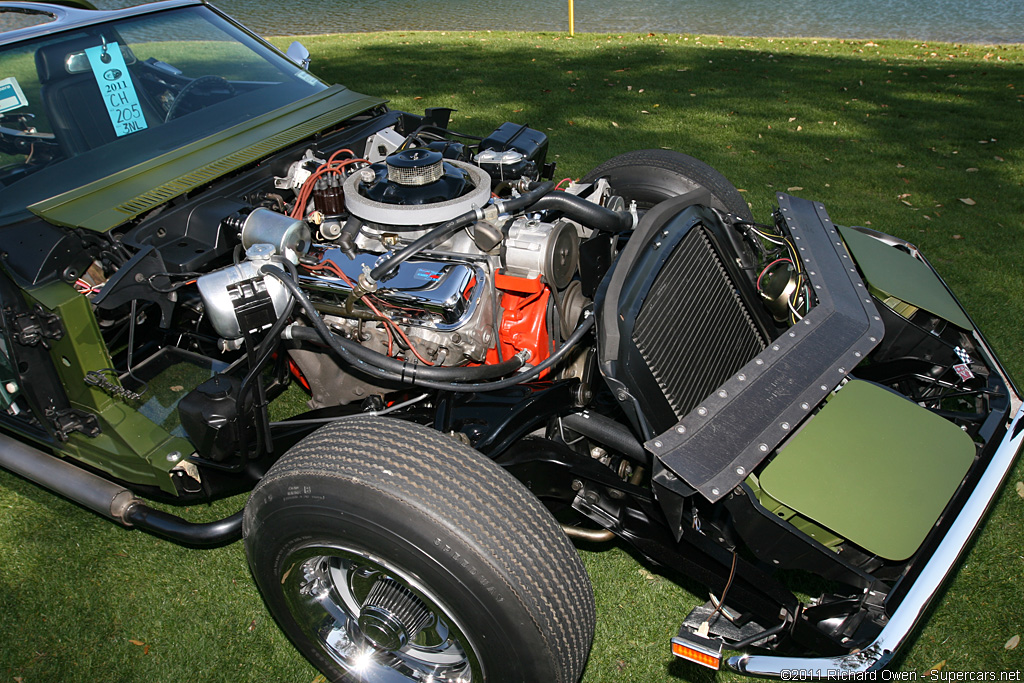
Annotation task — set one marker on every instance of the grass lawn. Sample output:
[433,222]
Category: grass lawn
[923,141]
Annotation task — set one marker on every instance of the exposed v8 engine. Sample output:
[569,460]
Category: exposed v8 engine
[417,256]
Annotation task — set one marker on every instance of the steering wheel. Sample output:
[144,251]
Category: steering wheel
[208,82]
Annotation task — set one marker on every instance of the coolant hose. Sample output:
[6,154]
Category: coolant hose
[402,370]
[588,213]
[609,432]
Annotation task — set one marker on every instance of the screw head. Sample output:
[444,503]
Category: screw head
[174,456]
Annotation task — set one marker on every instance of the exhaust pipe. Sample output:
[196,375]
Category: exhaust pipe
[109,499]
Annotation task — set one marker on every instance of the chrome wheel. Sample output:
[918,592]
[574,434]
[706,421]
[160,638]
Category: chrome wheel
[375,621]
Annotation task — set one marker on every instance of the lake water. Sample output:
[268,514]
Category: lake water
[959,21]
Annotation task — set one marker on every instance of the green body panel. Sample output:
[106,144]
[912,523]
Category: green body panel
[130,447]
[872,467]
[110,201]
[892,272]
[774,507]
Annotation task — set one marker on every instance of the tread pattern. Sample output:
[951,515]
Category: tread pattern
[693,169]
[463,490]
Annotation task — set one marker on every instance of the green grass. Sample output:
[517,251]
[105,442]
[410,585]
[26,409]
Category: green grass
[893,135]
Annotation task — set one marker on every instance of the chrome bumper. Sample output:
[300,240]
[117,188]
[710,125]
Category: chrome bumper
[876,655]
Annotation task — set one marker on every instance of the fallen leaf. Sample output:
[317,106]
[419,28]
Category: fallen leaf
[903,196]
[972,170]
[792,119]
[794,189]
[617,125]
[417,98]
[136,642]
[968,201]
[958,237]
[937,668]
[1012,643]
[620,665]
[906,202]
[1020,489]
[145,650]
[999,158]
[319,679]
[177,387]
[900,166]
[799,128]
[252,626]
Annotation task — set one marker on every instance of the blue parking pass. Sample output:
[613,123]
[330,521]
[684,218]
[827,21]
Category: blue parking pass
[116,85]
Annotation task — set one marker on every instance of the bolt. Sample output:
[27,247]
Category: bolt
[657,444]
[576,484]
[681,429]
[723,394]
[805,406]
[740,471]
[785,426]
[714,492]
[763,448]
[622,395]
[174,456]
[11,387]
[702,411]
[741,377]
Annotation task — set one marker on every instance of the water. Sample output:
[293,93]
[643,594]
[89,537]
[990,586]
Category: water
[958,21]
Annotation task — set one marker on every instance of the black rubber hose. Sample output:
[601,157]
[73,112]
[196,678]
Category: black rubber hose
[608,432]
[402,370]
[221,532]
[397,368]
[446,230]
[519,378]
[588,213]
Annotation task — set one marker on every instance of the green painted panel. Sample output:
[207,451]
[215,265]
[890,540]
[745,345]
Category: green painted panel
[896,273]
[872,467]
[110,201]
[130,446]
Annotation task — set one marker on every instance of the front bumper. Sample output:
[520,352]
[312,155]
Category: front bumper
[942,562]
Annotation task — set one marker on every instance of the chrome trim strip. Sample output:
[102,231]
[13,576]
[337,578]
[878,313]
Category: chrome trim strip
[876,655]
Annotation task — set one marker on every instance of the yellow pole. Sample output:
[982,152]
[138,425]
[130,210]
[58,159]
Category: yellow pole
[572,27]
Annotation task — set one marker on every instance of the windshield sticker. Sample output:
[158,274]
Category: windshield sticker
[11,96]
[307,77]
[119,94]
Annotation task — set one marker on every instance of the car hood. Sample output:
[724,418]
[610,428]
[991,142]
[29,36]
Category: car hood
[108,202]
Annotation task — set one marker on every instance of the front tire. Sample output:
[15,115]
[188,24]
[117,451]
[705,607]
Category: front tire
[388,552]
[650,176]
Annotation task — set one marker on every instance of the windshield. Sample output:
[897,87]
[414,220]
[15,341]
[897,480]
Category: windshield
[80,105]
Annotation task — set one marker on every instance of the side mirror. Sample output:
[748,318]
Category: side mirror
[298,53]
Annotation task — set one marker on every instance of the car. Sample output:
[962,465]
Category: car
[477,364]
